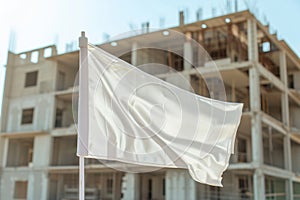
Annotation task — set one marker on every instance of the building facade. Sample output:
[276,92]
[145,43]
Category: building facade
[38,134]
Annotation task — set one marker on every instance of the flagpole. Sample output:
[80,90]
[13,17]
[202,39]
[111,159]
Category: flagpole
[83,42]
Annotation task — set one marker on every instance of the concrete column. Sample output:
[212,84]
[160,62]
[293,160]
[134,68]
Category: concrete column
[31,190]
[255,106]
[286,120]
[42,150]
[41,54]
[287,152]
[256,135]
[187,52]
[180,193]
[54,50]
[4,141]
[289,189]
[181,18]
[134,56]
[7,90]
[179,185]
[117,177]
[170,184]
[285,110]
[188,58]
[284,96]
[44,186]
[191,187]
[252,40]
[201,49]
[130,187]
[256,130]
[259,185]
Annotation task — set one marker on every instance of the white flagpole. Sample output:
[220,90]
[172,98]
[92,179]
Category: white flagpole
[83,42]
[81,178]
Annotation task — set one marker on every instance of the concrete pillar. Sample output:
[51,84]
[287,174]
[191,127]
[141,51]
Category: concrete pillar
[31,186]
[134,56]
[188,58]
[187,52]
[4,141]
[117,186]
[41,54]
[53,50]
[170,184]
[130,187]
[42,150]
[259,185]
[180,193]
[256,130]
[252,40]
[255,106]
[181,18]
[7,89]
[256,135]
[289,189]
[286,121]
[201,49]
[179,185]
[284,96]
[288,165]
[191,187]
[44,186]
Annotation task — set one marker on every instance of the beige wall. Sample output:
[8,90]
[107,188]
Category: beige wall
[43,116]
[37,181]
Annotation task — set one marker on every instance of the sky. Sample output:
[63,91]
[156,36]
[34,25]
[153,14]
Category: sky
[38,23]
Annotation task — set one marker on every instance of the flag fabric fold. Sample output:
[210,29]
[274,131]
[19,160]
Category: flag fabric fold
[134,117]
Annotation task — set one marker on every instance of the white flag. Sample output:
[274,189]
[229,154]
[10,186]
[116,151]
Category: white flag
[128,115]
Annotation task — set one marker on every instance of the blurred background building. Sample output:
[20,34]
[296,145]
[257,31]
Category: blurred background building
[38,135]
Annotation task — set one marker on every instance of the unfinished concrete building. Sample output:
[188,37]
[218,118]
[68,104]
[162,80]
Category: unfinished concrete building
[38,134]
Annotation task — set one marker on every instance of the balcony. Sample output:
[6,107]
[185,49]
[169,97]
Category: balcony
[296,189]
[275,188]
[98,186]
[273,147]
[64,151]
[236,186]
[20,152]
[295,151]
[271,102]
[64,116]
[242,148]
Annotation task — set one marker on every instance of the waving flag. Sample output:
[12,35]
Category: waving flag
[128,115]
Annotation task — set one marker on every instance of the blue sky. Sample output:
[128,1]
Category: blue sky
[38,23]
